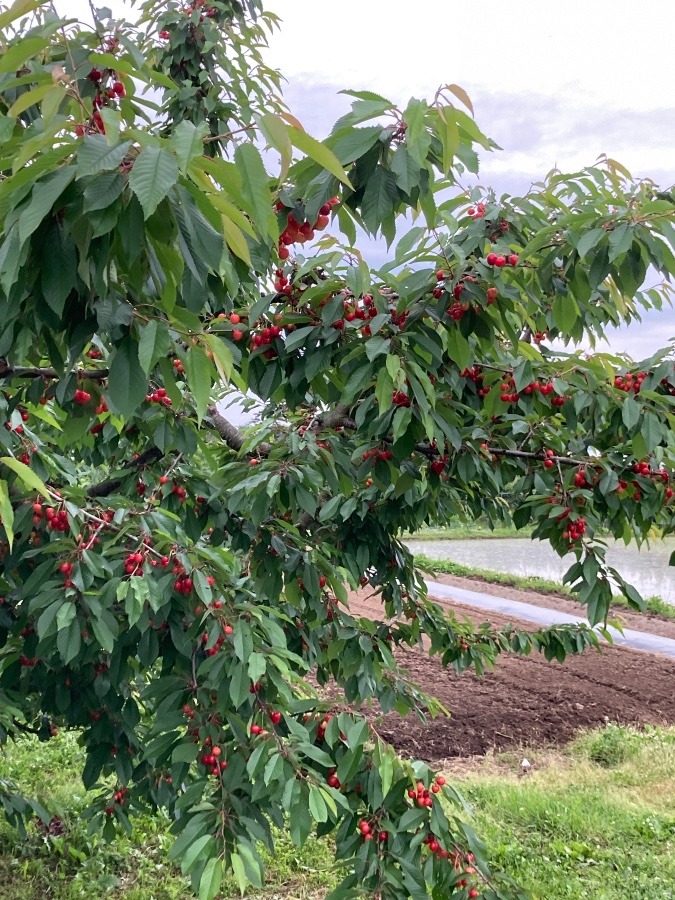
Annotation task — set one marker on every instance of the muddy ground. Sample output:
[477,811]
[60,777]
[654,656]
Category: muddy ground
[527,701]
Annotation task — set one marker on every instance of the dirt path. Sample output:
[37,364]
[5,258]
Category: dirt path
[527,701]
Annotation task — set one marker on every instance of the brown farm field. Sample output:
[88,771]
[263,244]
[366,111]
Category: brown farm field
[527,701]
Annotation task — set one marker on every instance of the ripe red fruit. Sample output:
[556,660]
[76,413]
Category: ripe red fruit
[513,259]
[237,335]
[491,259]
[440,275]
[440,780]
[275,717]
[500,262]
[364,827]
[235,318]
[492,294]
[81,397]
[253,462]
[548,463]
[118,89]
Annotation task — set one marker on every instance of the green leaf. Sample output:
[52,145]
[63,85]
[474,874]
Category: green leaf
[459,349]
[153,345]
[355,143]
[58,268]
[119,64]
[103,634]
[405,169]
[449,132]
[276,134]
[255,187]
[630,412]
[620,241]
[28,476]
[236,240]
[565,313]
[51,102]
[187,142]
[652,431]
[96,155]
[212,876]
[317,805]
[127,382]
[239,872]
[318,152]
[589,240]
[154,173]
[28,99]
[379,198]
[196,849]
[199,372]
[44,195]
[417,137]
[6,513]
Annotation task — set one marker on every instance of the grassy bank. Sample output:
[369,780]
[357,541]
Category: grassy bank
[135,867]
[654,605]
[468,531]
[595,820]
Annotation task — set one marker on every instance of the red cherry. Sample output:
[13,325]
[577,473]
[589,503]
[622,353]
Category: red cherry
[235,318]
[513,259]
[491,259]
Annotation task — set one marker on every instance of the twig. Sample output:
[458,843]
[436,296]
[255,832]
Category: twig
[228,134]
[49,374]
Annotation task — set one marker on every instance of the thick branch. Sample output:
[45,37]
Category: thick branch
[336,417]
[105,488]
[232,436]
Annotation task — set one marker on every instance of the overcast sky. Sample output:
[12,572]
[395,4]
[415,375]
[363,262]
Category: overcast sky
[552,84]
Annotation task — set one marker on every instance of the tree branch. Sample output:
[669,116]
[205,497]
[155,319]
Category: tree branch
[105,488]
[232,436]
[49,374]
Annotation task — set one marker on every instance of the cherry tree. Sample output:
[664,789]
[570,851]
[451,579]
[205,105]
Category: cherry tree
[176,588]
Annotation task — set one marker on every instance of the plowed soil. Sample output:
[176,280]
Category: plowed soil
[527,701]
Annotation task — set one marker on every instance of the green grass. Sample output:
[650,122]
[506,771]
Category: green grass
[466,531]
[654,605]
[134,867]
[595,821]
